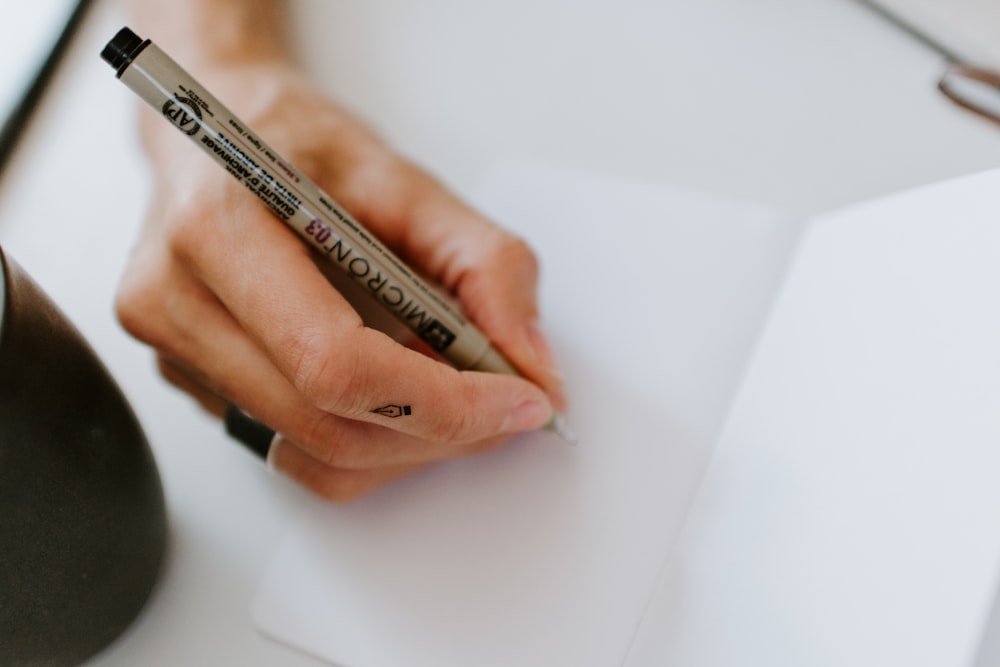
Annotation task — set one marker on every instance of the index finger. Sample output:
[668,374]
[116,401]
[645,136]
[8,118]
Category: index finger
[264,275]
[493,272]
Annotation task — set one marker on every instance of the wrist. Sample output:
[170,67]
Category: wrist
[247,89]
[209,33]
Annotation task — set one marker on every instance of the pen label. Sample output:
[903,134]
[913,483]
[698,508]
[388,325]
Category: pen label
[437,335]
[257,179]
[183,113]
[295,200]
[285,204]
[429,328]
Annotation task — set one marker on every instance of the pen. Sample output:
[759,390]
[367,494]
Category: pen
[303,206]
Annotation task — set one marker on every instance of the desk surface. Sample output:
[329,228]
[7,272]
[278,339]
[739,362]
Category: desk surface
[804,105]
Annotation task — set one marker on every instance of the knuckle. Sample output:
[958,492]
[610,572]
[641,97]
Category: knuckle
[327,373]
[190,235]
[311,363]
[515,251]
[168,369]
[137,303]
[129,308]
[158,304]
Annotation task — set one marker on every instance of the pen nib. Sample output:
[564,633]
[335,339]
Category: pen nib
[559,426]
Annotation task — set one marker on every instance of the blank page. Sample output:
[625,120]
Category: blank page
[851,513]
[541,553]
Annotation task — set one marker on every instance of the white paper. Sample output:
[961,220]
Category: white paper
[850,513]
[540,553]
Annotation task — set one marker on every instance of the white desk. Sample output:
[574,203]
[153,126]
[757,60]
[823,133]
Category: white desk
[803,104]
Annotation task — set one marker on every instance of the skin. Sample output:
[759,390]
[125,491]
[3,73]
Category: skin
[238,312]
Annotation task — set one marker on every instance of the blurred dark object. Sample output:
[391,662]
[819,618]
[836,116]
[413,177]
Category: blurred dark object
[82,513]
[970,84]
[974,89]
[19,116]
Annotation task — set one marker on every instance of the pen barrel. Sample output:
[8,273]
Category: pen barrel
[303,206]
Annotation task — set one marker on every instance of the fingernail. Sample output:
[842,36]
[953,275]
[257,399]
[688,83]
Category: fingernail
[557,398]
[528,416]
[544,356]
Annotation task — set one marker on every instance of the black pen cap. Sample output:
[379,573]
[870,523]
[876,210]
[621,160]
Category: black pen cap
[122,49]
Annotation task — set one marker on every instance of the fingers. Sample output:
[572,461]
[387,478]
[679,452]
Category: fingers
[182,379]
[330,482]
[206,351]
[235,305]
[341,484]
[337,484]
[330,441]
[493,273]
[264,277]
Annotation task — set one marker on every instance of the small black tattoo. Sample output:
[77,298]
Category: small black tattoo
[392,410]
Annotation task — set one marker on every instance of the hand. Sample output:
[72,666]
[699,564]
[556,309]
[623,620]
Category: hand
[238,311]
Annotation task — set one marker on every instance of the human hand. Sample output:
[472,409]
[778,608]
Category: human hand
[239,312]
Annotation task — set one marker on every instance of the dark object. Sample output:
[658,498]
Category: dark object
[82,516]
[122,49]
[17,120]
[255,436]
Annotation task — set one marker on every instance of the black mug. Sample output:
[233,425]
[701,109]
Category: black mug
[82,516]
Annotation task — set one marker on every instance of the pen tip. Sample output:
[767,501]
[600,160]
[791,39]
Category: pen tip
[559,426]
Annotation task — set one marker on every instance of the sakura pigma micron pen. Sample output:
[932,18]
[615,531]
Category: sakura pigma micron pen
[303,206]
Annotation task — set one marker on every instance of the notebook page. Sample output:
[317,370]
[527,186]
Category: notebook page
[541,553]
[849,515]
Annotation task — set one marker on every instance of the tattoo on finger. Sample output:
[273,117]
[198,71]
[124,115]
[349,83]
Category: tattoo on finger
[393,411]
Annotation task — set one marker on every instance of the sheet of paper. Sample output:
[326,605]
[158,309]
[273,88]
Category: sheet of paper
[850,513]
[541,553]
